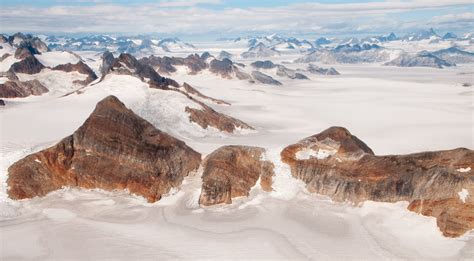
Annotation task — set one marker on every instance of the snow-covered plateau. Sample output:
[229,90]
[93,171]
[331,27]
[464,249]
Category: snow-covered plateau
[396,110]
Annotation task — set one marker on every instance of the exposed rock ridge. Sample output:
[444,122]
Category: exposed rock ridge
[127,64]
[16,88]
[113,149]
[231,171]
[79,67]
[338,164]
[190,90]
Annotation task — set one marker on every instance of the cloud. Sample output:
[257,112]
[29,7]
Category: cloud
[453,18]
[187,3]
[188,18]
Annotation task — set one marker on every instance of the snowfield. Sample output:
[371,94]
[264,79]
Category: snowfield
[394,110]
[55,58]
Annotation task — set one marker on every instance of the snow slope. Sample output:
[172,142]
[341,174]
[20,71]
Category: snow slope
[54,58]
[393,110]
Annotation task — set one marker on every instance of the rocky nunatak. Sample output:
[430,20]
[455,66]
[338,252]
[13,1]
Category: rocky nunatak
[231,171]
[439,184]
[114,149]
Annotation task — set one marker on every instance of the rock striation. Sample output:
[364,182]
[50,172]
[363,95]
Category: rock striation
[337,164]
[16,88]
[29,65]
[79,67]
[113,150]
[231,171]
[208,117]
[322,71]
[192,91]
[421,59]
[127,64]
[264,79]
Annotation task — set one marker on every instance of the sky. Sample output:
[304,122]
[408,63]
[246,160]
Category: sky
[230,18]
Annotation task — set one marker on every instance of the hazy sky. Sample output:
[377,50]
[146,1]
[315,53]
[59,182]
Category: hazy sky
[219,18]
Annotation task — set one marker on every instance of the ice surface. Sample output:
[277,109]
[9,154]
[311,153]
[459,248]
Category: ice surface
[52,59]
[393,110]
[464,170]
[463,194]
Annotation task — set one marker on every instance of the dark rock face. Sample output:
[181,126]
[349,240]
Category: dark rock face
[263,78]
[3,38]
[283,71]
[206,55]
[206,117]
[2,102]
[164,65]
[107,62]
[4,56]
[338,164]
[224,54]
[195,63]
[24,51]
[16,89]
[114,149]
[34,44]
[323,71]
[190,90]
[129,65]
[231,171]
[263,64]
[79,67]
[224,68]
[29,65]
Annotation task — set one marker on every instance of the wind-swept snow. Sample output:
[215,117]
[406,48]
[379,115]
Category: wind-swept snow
[463,194]
[395,110]
[54,58]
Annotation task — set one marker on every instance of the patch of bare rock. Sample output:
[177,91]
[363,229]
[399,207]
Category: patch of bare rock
[113,150]
[79,67]
[337,164]
[231,171]
[16,88]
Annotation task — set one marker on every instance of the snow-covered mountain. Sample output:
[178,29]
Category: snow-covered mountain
[134,45]
[348,53]
[455,55]
[277,42]
[260,51]
[422,35]
[421,59]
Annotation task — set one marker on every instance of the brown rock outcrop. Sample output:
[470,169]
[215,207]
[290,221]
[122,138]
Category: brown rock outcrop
[4,56]
[231,171]
[225,68]
[29,65]
[127,64]
[15,89]
[207,116]
[454,217]
[190,90]
[79,67]
[114,149]
[23,52]
[338,164]
[166,65]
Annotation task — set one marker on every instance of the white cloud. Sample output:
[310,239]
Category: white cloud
[187,3]
[450,18]
[163,17]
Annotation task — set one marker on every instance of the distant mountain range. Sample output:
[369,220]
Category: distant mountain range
[133,45]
